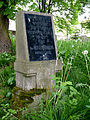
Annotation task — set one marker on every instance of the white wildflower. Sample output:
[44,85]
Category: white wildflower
[72,45]
[80,40]
[85,52]
[72,57]
[76,41]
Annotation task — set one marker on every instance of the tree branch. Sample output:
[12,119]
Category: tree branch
[39,6]
[49,6]
[44,6]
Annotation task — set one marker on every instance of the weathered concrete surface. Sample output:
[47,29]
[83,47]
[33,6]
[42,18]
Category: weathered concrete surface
[21,38]
[35,74]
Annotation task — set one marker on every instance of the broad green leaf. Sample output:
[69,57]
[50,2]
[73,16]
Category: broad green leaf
[8,94]
[88,106]
[10,80]
[12,111]
[73,101]
[69,83]
[4,117]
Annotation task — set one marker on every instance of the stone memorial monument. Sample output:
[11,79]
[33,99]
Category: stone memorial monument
[36,53]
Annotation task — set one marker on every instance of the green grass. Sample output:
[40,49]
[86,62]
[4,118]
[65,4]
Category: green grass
[73,82]
[71,101]
[67,49]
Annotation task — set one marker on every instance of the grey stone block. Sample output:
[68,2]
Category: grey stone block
[30,74]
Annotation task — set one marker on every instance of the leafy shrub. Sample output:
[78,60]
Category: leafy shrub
[7,76]
[7,82]
[6,59]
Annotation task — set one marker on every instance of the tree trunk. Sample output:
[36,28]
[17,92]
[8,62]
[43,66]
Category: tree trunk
[5,42]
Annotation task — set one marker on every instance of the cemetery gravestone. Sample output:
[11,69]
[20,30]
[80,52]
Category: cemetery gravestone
[35,51]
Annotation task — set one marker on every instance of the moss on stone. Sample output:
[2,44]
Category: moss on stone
[21,98]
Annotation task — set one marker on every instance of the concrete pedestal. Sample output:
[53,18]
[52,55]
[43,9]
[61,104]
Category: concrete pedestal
[36,75]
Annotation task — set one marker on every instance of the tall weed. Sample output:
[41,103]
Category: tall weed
[67,49]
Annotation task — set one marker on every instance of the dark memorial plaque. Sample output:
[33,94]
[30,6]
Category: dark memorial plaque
[40,37]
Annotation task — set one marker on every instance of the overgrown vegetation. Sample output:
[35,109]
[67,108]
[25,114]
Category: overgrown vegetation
[70,101]
[7,81]
[81,62]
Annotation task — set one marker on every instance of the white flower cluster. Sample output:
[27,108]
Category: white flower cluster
[85,52]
